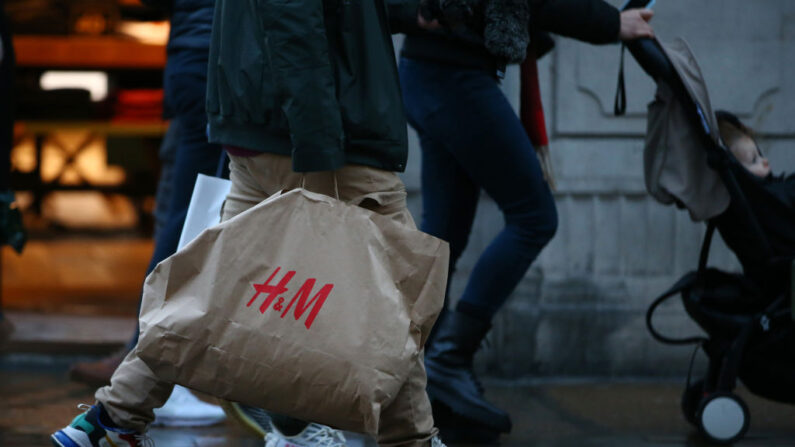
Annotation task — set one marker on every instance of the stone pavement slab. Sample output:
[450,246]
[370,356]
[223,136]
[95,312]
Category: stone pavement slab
[38,399]
[68,334]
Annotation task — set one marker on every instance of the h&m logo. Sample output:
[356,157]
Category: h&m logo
[301,298]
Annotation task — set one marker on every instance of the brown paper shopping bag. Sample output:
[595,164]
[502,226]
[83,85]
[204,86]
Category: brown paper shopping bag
[302,305]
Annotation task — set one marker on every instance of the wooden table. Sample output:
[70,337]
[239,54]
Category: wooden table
[83,52]
[39,52]
[43,132]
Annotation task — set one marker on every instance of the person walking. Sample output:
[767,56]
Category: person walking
[473,141]
[185,152]
[12,232]
[301,93]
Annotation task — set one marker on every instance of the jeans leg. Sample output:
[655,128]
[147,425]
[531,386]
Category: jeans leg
[194,156]
[167,156]
[449,203]
[465,111]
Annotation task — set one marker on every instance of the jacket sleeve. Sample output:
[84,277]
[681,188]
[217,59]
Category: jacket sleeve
[403,16]
[299,54]
[593,21]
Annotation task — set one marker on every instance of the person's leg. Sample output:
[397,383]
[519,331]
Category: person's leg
[134,392]
[194,156]
[167,154]
[466,113]
[498,156]
[449,202]
[7,103]
[407,421]
[10,223]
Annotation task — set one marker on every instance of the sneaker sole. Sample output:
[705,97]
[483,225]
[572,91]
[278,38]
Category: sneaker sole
[195,422]
[236,412]
[60,440]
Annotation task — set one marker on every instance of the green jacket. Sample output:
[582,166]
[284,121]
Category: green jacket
[314,79]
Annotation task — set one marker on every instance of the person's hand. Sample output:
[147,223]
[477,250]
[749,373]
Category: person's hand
[427,25]
[635,24]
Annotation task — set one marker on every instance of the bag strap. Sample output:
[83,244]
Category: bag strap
[686,282]
[620,104]
[336,184]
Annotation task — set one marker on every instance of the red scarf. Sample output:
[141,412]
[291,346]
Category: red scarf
[531,113]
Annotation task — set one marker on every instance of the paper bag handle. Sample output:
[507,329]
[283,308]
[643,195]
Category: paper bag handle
[336,185]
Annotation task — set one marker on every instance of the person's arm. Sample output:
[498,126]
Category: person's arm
[593,21]
[298,52]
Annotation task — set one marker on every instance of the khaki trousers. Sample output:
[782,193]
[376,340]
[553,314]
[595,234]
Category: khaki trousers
[407,422]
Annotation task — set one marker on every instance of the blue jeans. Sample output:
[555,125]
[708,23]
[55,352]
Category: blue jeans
[472,139]
[194,155]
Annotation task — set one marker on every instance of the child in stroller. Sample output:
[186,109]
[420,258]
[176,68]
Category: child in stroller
[739,139]
[747,317]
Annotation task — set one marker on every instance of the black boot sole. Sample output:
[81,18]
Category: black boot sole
[455,429]
[486,417]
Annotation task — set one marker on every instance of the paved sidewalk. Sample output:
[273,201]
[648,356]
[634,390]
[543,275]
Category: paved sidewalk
[37,399]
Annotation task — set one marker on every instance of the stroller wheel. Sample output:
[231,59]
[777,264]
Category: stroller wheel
[723,418]
[691,401]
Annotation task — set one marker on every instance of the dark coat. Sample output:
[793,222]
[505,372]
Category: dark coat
[314,79]
[191,23]
[188,51]
[505,37]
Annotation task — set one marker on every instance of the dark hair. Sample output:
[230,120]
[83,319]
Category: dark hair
[732,120]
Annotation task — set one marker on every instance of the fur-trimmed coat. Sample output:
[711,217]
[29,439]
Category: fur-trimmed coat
[507,23]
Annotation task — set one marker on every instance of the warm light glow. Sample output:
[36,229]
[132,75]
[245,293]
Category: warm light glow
[95,82]
[90,165]
[153,33]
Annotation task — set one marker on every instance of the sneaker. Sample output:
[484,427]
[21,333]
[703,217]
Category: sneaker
[183,409]
[86,430]
[314,435]
[256,420]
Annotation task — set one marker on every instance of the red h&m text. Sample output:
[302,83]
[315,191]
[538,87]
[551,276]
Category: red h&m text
[300,300]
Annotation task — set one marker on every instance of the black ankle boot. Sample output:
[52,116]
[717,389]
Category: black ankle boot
[454,428]
[451,379]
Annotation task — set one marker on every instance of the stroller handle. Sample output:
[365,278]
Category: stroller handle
[653,60]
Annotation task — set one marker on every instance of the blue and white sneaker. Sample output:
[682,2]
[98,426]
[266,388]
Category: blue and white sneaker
[314,435]
[86,430]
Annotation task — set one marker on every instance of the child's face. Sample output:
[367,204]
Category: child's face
[745,150]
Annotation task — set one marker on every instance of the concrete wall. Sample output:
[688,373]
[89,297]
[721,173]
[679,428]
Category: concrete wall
[580,309]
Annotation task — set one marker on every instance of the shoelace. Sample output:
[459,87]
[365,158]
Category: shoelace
[328,437]
[144,441]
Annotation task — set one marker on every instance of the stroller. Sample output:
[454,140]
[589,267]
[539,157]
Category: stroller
[748,317]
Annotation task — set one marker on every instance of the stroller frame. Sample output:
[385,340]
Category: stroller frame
[706,402]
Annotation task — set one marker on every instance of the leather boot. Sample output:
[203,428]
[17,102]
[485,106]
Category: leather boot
[97,374]
[451,379]
[457,429]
